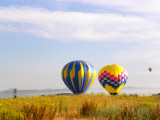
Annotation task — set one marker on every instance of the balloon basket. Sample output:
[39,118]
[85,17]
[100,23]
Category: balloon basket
[113,94]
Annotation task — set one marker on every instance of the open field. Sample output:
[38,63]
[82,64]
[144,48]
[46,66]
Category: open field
[89,106]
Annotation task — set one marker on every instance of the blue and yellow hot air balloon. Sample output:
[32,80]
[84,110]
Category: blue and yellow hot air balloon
[113,78]
[78,76]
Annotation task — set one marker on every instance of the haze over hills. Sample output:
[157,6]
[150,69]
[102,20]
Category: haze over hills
[128,90]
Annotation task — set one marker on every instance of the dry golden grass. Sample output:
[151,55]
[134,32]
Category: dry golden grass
[80,107]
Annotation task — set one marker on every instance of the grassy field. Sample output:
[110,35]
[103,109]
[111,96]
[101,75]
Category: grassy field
[89,106]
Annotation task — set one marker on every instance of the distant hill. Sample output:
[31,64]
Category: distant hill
[24,93]
[127,90]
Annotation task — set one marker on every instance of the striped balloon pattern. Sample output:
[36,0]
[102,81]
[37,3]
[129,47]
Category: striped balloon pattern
[78,76]
[113,78]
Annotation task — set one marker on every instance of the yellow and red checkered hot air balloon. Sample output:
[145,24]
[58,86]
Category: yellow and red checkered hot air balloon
[113,78]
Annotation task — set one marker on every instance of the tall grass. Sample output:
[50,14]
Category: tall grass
[88,106]
[88,109]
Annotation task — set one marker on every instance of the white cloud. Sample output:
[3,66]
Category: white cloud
[91,27]
[140,6]
[78,26]
[6,27]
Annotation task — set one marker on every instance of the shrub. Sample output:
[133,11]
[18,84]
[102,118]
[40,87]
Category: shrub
[88,108]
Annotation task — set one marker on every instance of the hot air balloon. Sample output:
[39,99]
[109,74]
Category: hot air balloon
[78,76]
[150,69]
[113,78]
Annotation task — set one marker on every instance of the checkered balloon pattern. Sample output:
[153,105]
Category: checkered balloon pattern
[111,80]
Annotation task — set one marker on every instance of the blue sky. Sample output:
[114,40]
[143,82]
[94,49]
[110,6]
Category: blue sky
[37,38]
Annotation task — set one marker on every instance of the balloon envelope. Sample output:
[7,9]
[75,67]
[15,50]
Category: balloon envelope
[150,69]
[78,76]
[113,78]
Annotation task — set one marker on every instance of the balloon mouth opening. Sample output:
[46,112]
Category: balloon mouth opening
[79,93]
[113,93]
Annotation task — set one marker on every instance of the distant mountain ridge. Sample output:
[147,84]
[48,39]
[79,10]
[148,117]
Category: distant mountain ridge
[128,90]
[9,92]
[128,87]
